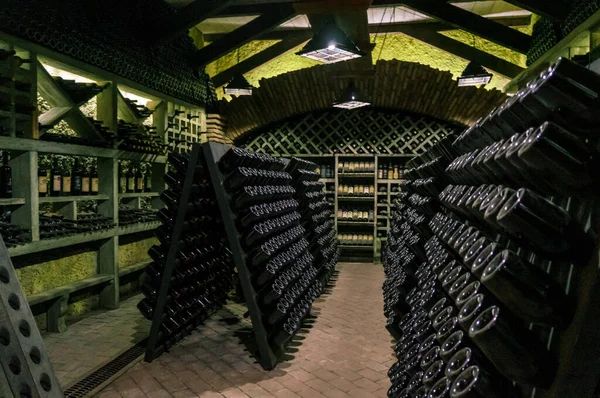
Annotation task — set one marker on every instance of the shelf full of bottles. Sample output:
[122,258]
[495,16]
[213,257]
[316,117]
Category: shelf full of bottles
[281,269]
[363,185]
[192,269]
[491,266]
[70,134]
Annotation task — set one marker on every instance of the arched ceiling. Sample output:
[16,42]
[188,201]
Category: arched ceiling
[405,86]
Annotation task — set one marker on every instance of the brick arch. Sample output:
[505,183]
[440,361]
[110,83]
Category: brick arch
[404,86]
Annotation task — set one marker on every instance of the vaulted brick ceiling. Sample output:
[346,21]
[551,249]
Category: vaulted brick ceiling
[405,86]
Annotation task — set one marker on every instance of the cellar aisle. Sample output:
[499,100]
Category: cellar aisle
[346,353]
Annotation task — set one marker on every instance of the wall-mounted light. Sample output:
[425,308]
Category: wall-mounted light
[331,45]
[351,98]
[474,75]
[238,85]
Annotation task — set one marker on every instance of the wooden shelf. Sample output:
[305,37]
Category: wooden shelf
[359,223]
[385,181]
[137,267]
[72,287]
[357,247]
[326,180]
[136,228]
[357,198]
[383,204]
[551,55]
[356,175]
[49,244]
[64,199]
[24,144]
[139,195]
[5,114]
[12,201]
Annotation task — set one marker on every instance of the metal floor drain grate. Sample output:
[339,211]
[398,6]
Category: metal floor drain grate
[89,383]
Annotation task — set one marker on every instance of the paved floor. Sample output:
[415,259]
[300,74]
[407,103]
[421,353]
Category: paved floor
[345,352]
[95,340]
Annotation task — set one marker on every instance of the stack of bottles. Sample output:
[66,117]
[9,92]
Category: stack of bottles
[367,167]
[59,179]
[199,262]
[140,111]
[317,215]
[139,138]
[468,293]
[356,190]
[136,178]
[79,93]
[54,225]
[11,234]
[278,255]
[131,215]
[21,103]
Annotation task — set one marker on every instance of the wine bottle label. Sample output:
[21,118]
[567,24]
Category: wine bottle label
[66,184]
[56,183]
[77,183]
[131,184]
[148,183]
[139,183]
[43,184]
[95,184]
[122,184]
[85,184]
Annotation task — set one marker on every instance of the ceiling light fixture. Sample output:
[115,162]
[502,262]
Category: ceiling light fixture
[331,45]
[474,75]
[351,99]
[238,85]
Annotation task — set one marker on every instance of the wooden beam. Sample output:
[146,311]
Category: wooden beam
[185,18]
[259,59]
[463,51]
[244,34]
[556,10]
[472,23]
[282,34]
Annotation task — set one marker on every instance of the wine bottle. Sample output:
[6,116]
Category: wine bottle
[148,180]
[76,179]
[139,180]
[56,179]
[5,177]
[130,176]
[42,179]
[85,181]
[122,179]
[94,183]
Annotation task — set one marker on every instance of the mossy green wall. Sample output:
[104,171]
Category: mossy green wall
[41,272]
[396,46]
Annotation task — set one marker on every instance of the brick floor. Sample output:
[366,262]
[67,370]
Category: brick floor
[95,340]
[345,353]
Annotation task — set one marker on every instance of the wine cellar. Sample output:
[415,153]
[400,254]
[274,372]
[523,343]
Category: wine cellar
[299,198]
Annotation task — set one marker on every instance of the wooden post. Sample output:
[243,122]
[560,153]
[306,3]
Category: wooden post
[25,185]
[106,110]
[56,315]
[108,253]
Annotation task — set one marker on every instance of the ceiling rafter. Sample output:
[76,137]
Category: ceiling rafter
[548,8]
[253,62]
[461,50]
[185,18]
[244,34]
[281,34]
[472,23]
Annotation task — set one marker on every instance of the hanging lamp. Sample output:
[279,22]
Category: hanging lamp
[331,45]
[351,98]
[474,75]
[238,85]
